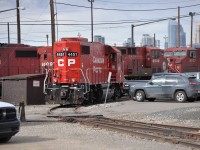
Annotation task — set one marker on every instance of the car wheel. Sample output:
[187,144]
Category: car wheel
[5,139]
[180,96]
[140,96]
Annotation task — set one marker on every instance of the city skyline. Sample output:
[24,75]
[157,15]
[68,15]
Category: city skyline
[114,25]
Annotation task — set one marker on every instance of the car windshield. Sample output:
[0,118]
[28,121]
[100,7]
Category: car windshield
[168,53]
[180,53]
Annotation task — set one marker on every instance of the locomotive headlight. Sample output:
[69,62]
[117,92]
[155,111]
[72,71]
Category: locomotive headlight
[177,67]
[73,80]
[55,80]
[113,67]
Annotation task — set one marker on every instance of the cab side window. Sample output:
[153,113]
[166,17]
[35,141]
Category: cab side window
[192,54]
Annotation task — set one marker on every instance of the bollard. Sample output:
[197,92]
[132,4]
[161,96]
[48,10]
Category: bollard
[22,112]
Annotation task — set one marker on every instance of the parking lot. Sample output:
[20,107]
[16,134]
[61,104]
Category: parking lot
[42,135]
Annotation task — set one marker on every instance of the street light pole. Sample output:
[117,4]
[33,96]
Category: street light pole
[91,1]
[191,14]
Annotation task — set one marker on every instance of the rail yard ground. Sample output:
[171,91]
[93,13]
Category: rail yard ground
[43,133]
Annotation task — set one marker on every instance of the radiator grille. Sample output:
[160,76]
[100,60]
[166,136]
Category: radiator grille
[7,114]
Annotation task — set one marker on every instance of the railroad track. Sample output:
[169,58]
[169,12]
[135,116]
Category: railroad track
[173,134]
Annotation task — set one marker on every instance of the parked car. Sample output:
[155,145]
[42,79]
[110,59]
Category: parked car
[179,87]
[128,83]
[9,123]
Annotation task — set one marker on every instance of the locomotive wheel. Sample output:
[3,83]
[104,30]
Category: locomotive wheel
[180,96]
[140,96]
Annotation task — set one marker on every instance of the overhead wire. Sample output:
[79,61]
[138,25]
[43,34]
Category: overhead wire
[104,23]
[139,3]
[115,9]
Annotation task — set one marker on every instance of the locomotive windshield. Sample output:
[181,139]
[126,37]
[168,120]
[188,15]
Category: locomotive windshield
[168,53]
[180,53]
[155,54]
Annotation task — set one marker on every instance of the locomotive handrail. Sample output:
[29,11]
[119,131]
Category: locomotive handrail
[44,86]
[83,77]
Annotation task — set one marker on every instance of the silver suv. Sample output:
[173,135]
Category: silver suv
[173,86]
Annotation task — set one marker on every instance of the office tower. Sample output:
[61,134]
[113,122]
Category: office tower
[99,38]
[127,43]
[197,33]
[173,35]
[147,40]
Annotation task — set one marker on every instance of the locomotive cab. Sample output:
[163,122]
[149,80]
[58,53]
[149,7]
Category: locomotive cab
[182,59]
[156,60]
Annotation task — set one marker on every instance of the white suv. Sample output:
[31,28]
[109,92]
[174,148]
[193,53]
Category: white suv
[9,123]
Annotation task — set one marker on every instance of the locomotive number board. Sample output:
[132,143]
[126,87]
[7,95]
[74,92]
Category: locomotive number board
[72,54]
[60,54]
[69,54]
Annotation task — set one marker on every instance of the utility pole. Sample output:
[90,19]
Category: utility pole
[18,23]
[191,14]
[179,27]
[91,1]
[52,26]
[132,35]
[154,38]
[8,33]
[52,21]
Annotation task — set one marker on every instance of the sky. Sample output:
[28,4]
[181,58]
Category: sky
[112,19]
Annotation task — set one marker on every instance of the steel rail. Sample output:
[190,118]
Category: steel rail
[157,133]
[192,129]
[161,131]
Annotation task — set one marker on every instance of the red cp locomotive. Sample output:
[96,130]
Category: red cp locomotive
[142,62]
[82,70]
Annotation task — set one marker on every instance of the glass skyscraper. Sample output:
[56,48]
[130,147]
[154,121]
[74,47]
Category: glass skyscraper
[99,38]
[173,35]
